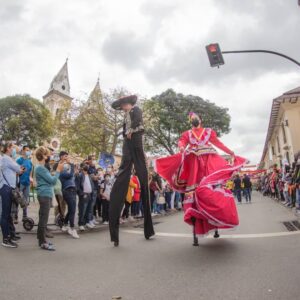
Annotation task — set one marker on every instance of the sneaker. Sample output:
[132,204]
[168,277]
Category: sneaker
[131,218]
[15,238]
[74,234]
[95,222]
[122,221]
[81,228]
[9,243]
[65,228]
[90,225]
[105,223]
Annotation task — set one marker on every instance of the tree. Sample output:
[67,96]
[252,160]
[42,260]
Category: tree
[166,117]
[25,120]
[92,126]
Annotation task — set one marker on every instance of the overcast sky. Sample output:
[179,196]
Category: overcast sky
[151,45]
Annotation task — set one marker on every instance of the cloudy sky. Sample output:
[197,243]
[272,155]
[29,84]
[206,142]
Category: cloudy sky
[148,46]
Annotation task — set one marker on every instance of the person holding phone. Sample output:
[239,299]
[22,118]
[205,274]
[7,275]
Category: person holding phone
[45,183]
[8,179]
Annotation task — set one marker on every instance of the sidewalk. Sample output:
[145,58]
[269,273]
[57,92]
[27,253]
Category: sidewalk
[33,211]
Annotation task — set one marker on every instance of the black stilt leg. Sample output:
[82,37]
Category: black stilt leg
[216,234]
[196,243]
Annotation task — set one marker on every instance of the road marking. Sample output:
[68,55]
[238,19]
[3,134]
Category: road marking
[225,236]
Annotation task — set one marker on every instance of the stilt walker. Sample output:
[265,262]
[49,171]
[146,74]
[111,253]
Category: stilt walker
[133,154]
[200,173]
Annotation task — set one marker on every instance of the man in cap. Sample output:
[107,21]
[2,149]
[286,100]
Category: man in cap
[133,154]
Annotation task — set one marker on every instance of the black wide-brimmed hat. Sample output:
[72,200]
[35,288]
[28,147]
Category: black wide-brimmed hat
[132,99]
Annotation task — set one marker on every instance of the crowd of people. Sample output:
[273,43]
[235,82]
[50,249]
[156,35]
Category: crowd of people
[283,184]
[241,187]
[81,190]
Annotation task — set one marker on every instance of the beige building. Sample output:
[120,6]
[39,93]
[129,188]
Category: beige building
[283,137]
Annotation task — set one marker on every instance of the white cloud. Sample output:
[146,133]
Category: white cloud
[149,46]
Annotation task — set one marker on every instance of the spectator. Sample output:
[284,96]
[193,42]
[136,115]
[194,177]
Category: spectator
[247,188]
[238,188]
[60,209]
[168,196]
[8,179]
[25,178]
[67,178]
[85,186]
[105,190]
[92,170]
[128,202]
[136,196]
[45,183]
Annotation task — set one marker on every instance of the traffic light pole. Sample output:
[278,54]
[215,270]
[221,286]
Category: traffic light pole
[264,51]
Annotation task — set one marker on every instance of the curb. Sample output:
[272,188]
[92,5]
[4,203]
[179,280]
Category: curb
[99,228]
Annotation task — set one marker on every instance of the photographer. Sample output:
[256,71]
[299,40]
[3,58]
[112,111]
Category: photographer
[45,183]
[67,178]
[8,179]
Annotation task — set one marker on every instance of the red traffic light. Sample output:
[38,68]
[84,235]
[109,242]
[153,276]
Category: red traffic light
[214,55]
[212,48]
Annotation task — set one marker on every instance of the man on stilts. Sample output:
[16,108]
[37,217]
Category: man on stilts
[133,154]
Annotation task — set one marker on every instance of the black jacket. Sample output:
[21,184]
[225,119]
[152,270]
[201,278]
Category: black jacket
[136,121]
[80,182]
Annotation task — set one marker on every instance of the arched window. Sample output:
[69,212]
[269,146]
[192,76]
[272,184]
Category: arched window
[288,157]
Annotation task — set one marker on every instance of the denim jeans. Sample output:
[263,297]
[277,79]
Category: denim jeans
[247,193]
[238,194]
[82,207]
[168,196]
[70,198]
[25,189]
[43,218]
[287,197]
[6,218]
[92,203]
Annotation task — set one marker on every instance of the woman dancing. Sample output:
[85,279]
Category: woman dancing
[200,173]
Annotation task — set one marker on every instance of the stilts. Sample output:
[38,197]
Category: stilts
[196,243]
[217,235]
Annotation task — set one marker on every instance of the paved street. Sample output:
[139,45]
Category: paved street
[243,264]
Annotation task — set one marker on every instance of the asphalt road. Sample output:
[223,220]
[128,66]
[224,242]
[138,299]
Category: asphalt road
[259,260]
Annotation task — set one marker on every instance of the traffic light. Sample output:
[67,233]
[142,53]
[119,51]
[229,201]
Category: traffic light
[214,55]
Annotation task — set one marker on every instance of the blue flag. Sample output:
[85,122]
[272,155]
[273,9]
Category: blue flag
[105,160]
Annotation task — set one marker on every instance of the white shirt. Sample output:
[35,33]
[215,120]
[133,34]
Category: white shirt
[87,187]
[107,186]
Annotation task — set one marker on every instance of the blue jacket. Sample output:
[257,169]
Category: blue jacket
[67,178]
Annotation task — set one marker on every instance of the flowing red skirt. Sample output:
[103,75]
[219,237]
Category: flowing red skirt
[207,205]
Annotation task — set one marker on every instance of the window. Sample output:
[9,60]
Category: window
[278,144]
[63,87]
[283,133]
[273,150]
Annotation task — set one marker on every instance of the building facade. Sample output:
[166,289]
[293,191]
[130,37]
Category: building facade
[283,137]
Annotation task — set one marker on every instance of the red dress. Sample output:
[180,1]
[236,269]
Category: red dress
[200,172]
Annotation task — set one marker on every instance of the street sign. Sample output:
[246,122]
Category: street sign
[214,55]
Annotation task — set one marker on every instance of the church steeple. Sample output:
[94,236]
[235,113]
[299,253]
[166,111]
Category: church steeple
[96,97]
[61,82]
[58,99]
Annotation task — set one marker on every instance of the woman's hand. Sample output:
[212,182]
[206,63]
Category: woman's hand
[181,149]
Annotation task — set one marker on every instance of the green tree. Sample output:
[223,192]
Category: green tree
[25,120]
[166,117]
[92,126]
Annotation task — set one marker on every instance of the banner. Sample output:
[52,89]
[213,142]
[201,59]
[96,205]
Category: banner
[105,160]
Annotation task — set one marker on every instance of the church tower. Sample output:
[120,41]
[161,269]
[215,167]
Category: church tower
[58,99]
